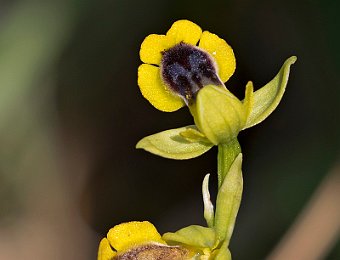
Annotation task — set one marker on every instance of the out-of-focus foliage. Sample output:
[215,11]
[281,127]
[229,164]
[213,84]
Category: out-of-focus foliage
[38,214]
[32,36]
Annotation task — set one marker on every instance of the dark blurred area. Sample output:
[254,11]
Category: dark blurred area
[71,114]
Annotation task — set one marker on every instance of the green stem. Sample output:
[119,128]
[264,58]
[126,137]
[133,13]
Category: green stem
[225,158]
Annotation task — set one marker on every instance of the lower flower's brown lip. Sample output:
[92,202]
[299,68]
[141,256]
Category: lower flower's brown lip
[154,252]
[186,69]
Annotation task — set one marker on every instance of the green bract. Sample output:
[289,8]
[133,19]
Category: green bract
[228,201]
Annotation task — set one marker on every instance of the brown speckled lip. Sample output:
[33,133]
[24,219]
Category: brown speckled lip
[185,69]
[154,252]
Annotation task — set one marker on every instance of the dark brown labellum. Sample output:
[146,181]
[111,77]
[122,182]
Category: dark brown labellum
[186,69]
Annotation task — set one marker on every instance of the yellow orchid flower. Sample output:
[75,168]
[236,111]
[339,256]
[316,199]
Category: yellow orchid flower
[189,67]
[177,65]
[138,240]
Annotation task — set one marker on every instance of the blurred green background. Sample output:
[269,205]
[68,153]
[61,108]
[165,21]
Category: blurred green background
[71,114]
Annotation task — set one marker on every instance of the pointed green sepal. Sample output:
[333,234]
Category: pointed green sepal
[208,206]
[267,98]
[228,201]
[171,144]
[194,236]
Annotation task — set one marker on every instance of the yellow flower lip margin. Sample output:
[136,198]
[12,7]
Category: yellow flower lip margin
[138,239]
[150,81]
[128,235]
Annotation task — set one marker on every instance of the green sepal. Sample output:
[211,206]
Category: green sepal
[228,201]
[171,144]
[218,114]
[267,98]
[193,236]
[208,206]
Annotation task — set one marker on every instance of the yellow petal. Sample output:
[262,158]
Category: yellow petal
[131,234]
[186,31]
[105,251]
[154,90]
[221,52]
[152,47]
